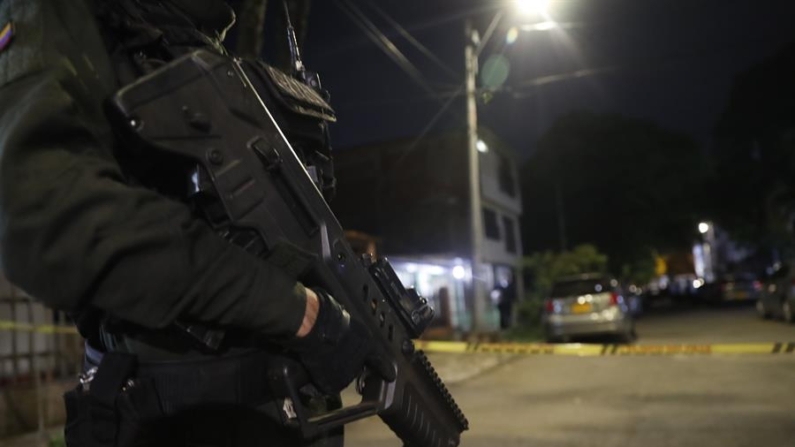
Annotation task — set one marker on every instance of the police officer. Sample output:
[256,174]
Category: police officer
[80,233]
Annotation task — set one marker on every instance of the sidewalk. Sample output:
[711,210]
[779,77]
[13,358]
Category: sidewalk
[454,368]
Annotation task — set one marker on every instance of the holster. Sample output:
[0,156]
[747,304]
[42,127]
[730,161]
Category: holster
[109,408]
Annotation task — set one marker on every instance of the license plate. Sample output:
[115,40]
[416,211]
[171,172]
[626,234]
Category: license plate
[740,295]
[578,308]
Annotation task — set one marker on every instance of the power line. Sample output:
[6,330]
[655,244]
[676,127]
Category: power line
[383,42]
[637,67]
[417,44]
[489,32]
[415,143]
[429,23]
[401,100]
[542,81]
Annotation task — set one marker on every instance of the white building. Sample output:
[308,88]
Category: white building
[414,197]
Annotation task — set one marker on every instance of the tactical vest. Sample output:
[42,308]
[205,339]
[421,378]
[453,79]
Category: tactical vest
[143,35]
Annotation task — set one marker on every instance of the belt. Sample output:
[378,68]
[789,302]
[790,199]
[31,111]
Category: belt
[239,379]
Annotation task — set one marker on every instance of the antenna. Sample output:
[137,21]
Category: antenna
[292,42]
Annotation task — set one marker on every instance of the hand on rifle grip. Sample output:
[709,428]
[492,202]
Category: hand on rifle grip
[337,347]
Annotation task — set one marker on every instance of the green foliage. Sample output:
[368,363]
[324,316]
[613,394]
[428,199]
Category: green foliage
[57,441]
[754,189]
[528,312]
[528,321]
[546,267]
[639,272]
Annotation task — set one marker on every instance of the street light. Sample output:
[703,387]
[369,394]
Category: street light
[475,147]
[708,246]
[541,26]
[532,7]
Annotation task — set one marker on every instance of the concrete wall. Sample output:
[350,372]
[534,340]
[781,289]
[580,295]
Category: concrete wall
[35,367]
[498,165]
[23,407]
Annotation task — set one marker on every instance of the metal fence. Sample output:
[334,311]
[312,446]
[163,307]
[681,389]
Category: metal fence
[39,360]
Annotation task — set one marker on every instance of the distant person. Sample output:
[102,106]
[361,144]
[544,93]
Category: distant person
[507,296]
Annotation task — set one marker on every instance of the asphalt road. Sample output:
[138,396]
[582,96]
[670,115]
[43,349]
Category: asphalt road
[676,401]
[734,324]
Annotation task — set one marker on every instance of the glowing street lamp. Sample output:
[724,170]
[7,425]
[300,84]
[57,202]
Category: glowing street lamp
[532,7]
[475,147]
[703,227]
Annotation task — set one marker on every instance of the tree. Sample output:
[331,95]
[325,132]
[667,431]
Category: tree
[547,267]
[755,153]
[625,185]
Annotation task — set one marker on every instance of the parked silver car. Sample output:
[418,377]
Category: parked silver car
[740,287]
[588,305]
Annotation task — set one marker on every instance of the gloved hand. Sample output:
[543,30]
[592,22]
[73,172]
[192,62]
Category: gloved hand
[337,348]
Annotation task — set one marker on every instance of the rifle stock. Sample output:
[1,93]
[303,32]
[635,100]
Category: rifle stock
[265,190]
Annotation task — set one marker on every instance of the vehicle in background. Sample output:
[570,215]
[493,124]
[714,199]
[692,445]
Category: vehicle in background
[740,287]
[656,290]
[777,299]
[588,305]
[668,290]
[684,288]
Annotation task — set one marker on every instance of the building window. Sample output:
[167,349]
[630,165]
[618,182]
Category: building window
[505,176]
[510,234]
[490,224]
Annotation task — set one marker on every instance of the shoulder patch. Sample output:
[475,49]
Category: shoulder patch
[25,21]
[6,35]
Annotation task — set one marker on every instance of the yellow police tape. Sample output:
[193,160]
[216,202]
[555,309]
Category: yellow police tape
[37,328]
[589,350]
[571,349]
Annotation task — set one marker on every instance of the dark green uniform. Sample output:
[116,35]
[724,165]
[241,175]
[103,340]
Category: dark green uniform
[79,235]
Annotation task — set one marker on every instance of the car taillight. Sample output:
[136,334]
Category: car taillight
[757,285]
[549,306]
[614,299]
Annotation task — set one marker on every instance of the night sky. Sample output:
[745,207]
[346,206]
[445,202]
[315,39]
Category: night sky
[669,61]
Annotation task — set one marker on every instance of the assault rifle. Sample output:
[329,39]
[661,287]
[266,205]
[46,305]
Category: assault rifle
[203,108]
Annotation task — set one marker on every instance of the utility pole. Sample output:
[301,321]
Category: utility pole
[476,213]
[561,216]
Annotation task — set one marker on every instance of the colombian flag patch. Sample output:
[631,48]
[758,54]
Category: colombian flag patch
[6,34]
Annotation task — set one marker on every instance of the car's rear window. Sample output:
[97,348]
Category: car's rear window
[580,287]
[743,276]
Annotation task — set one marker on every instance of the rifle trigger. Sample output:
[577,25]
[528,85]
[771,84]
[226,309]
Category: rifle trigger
[267,153]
